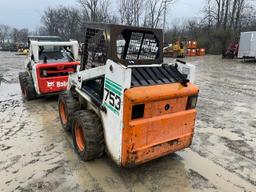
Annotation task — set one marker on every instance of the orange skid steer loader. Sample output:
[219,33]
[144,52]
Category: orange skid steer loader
[125,101]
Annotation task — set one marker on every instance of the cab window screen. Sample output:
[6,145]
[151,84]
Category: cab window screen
[94,49]
[132,45]
[53,54]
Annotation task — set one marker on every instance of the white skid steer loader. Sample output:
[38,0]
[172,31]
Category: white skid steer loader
[48,64]
[125,101]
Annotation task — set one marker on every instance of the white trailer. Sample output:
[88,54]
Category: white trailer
[247,45]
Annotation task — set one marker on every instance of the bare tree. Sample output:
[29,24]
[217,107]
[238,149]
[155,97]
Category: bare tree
[234,9]
[138,9]
[50,21]
[90,8]
[130,11]
[96,10]
[126,12]
[155,12]
[40,31]
[62,21]
[166,5]
[227,6]
[227,14]
[5,33]
[15,35]
[22,35]
[248,21]
[239,12]
[222,23]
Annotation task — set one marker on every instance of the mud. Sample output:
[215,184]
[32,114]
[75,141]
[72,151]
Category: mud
[37,155]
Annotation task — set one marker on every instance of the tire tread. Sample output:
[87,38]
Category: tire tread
[94,135]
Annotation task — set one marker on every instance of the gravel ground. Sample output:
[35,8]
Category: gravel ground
[37,155]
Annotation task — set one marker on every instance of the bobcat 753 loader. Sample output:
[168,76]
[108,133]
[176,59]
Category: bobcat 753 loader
[124,101]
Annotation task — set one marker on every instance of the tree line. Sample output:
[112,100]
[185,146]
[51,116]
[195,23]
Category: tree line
[69,22]
[221,24]
[11,34]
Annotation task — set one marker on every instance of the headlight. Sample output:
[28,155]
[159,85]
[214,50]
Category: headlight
[192,101]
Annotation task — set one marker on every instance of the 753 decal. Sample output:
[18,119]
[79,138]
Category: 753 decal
[113,96]
[113,99]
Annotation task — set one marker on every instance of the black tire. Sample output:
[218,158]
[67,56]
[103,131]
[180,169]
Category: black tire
[88,136]
[22,80]
[67,106]
[27,86]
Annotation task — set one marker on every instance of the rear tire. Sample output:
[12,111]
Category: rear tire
[68,105]
[88,136]
[27,86]
[22,80]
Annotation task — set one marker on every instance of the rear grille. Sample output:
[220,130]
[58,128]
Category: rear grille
[144,76]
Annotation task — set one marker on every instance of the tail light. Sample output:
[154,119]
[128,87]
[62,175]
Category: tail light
[192,101]
[57,71]
[44,73]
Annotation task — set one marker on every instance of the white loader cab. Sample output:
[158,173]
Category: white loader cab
[48,64]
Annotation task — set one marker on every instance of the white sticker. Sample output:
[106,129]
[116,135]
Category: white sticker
[57,84]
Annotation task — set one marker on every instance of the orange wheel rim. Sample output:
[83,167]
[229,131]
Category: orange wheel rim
[79,135]
[63,114]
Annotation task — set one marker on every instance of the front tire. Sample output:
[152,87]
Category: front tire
[67,106]
[88,136]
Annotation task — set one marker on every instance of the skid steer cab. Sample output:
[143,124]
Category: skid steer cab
[48,64]
[125,101]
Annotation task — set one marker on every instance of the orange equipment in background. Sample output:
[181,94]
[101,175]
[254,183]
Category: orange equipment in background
[201,52]
[192,45]
[193,50]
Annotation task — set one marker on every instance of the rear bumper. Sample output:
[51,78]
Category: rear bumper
[159,132]
[56,82]
[166,134]
[52,85]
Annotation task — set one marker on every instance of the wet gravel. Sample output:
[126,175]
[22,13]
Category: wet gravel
[37,155]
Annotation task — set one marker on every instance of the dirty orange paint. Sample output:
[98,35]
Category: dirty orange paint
[161,130]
